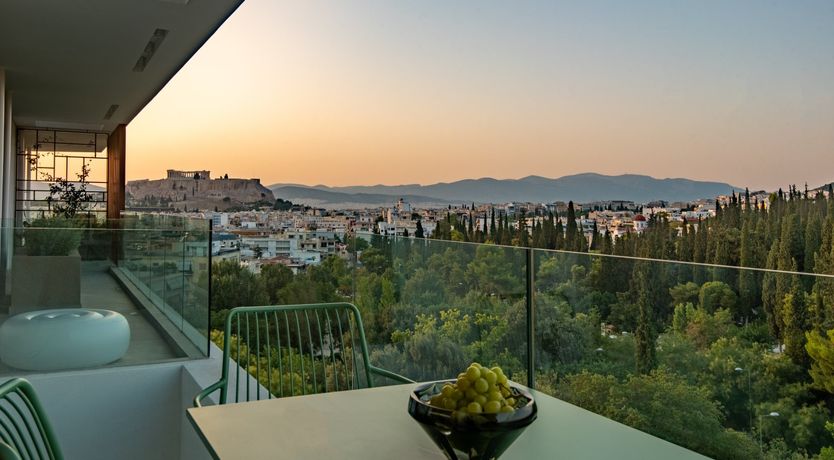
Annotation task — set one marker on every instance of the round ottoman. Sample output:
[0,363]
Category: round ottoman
[64,338]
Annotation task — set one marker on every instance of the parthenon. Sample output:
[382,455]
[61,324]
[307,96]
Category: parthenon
[175,174]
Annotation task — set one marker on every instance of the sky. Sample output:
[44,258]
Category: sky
[364,92]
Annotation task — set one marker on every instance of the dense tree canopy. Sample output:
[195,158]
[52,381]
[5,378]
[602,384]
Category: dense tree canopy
[695,354]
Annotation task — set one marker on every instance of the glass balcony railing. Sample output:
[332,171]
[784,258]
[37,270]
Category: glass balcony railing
[712,358]
[83,294]
[168,259]
[725,361]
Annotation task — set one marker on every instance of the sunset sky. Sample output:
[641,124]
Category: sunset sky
[366,92]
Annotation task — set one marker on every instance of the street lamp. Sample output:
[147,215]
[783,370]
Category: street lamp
[772,414]
[749,396]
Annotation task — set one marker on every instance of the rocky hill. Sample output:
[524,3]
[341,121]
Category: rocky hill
[196,193]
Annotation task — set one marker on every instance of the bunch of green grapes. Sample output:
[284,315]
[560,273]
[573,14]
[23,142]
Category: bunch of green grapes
[478,390]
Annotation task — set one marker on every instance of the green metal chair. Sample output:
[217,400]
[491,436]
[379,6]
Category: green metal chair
[294,350]
[25,432]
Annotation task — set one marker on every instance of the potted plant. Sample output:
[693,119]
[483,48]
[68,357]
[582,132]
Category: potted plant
[47,272]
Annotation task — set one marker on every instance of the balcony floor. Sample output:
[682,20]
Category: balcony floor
[100,290]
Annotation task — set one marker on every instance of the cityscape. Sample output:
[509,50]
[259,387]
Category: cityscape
[269,230]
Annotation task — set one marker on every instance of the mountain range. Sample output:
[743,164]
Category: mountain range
[581,188]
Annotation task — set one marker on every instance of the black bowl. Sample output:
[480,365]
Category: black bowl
[482,436]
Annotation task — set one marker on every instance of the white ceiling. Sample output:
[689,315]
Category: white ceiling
[67,62]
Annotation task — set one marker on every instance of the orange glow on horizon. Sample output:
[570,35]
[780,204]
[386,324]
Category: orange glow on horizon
[322,93]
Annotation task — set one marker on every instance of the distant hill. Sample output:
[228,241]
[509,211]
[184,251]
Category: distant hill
[580,187]
[323,198]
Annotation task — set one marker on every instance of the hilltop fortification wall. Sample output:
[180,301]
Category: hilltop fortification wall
[182,189]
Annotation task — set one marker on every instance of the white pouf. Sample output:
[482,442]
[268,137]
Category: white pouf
[65,338]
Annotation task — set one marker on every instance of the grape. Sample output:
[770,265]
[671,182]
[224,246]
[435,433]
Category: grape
[474,408]
[477,390]
[490,377]
[481,385]
[492,407]
[470,393]
[447,390]
[473,373]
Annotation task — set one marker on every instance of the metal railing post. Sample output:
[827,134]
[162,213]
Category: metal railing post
[531,320]
[208,288]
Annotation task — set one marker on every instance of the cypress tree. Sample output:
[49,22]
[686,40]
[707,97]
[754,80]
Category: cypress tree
[644,334]
[552,232]
[418,233]
[571,242]
[748,289]
[770,298]
[595,238]
[795,320]
[559,236]
[791,241]
[824,264]
[813,240]
[607,243]
[523,234]
[471,230]
[507,236]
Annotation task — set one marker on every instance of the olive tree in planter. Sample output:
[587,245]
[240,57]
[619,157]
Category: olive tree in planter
[48,272]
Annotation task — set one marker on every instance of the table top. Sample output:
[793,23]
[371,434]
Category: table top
[374,424]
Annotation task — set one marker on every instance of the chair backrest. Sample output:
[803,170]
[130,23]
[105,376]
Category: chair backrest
[24,428]
[293,350]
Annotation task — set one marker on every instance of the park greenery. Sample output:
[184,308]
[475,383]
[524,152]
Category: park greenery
[658,330]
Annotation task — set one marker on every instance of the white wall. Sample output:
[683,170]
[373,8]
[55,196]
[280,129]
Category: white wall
[130,412]
[135,412]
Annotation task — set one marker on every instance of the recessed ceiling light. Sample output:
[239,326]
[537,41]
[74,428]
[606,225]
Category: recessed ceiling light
[110,111]
[150,48]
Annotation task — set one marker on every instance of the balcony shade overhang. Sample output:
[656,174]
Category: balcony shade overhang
[94,64]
